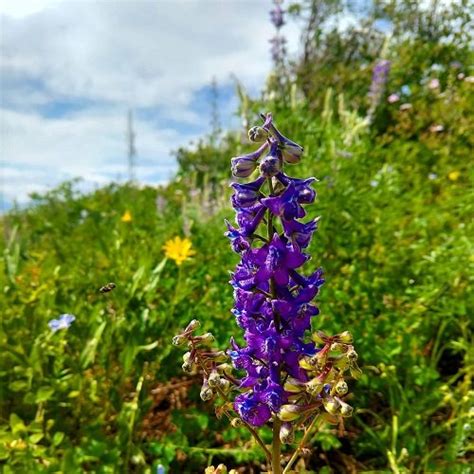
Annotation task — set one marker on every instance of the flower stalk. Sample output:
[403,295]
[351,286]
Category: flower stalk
[282,379]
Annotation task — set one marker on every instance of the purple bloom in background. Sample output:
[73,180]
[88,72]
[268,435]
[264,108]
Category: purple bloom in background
[278,42]
[278,48]
[377,87]
[276,15]
[63,322]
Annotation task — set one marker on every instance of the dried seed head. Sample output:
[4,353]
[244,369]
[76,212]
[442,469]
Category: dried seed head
[287,434]
[314,386]
[179,340]
[206,392]
[192,326]
[351,355]
[214,379]
[332,405]
[341,387]
[206,338]
[224,385]
[188,363]
[290,412]
[345,409]
[237,422]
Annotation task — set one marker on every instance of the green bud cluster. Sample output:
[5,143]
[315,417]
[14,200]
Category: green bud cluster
[217,372]
[327,386]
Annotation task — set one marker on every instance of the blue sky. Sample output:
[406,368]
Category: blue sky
[72,68]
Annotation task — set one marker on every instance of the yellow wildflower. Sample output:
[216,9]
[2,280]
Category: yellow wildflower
[127,217]
[454,175]
[178,249]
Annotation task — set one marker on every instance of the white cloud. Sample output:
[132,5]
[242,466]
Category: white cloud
[110,55]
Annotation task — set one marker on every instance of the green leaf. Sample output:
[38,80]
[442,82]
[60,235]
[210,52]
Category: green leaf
[36,438]
[57,438]
[16,424]
[44,394]
[18,386]
[88,354]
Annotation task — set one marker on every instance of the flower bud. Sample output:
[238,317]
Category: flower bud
[314,386]
[236,423]
[331,405]
[179,340]
[224,385]
[351,355]
[355,370]
[345,337]
[206,392]
[214,379]
[225,368]
[291,152]
[320,337]
[188,362]
[270,166]
[207,338]
[220,356]
[287,434]
[193,325]
[243,167]
[341,387]
[291,412]
[257,134]
[293,386]
[345,410]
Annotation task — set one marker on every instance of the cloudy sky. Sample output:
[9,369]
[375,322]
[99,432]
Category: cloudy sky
[70,69]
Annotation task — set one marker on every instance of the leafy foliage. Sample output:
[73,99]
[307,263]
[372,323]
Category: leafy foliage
[395,241]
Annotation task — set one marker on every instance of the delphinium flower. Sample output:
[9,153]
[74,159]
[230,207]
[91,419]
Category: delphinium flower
[178,249]
[377,87]
[63,322]
[279,376]
[278,42]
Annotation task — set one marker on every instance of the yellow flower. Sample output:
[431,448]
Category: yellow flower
[127,217]
[454,175]
[178,249]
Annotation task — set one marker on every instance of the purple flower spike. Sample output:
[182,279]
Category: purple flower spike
[272,299]
[280,374]
[276,15]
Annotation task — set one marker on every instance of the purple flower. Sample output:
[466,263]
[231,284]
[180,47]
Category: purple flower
[63,322]
[291,151]
[243,166]
[252,410]
[273,300]
[286,205]
[276,15]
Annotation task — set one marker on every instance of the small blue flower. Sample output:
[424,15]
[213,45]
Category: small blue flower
[63,322]
[160,469]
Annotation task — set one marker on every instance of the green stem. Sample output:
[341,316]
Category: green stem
[302,442]
[276,447]
[276,443]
